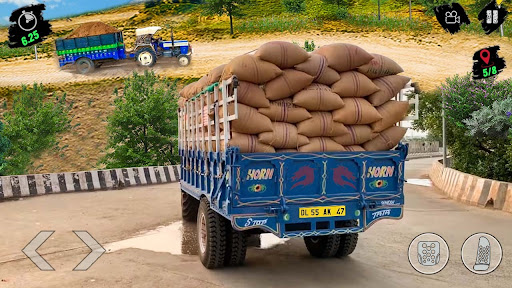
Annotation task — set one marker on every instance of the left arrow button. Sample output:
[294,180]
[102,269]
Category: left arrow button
[31,250]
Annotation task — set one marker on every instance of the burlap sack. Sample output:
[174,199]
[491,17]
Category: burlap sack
[389,87]
[215,74]
[386,140]
[344,57]
[284,135]
[356,111]
[285,111]
[249,121]
[354,148]
[252,95]
[354,84]
[199,86]
[287,150]
[316,66]
[252,69]
[283,54]
[181,102]
[321,144]
[318,97]
[321,124]
[187,91]
[380,66]
[249,144]
[357,134]
[391,112]
[289,83]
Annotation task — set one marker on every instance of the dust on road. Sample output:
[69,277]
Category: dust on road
[428,59]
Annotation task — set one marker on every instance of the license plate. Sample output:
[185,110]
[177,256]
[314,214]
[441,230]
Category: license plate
[322,211]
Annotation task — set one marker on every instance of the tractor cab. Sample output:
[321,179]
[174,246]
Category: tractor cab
[148,48]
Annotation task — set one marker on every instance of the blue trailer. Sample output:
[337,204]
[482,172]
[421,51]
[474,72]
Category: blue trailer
[87,53]
[327,198]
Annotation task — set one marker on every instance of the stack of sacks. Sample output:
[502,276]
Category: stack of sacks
[337,98]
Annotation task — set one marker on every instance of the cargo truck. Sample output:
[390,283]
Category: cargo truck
[327,198]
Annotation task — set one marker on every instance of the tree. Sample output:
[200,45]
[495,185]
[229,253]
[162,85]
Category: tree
[338,3]
[225,7]
[4,146]
[294,6]
[143,128]
[32,125]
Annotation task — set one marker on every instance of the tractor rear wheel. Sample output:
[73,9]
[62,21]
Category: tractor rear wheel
[322,246]
[84,65]
[146,57]
[184,60]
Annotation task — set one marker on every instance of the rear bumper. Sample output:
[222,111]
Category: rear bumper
[289,225]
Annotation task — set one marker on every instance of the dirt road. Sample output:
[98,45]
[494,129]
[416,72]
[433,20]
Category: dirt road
[380,259]
[427,59]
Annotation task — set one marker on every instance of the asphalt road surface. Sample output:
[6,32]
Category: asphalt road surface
[380,259]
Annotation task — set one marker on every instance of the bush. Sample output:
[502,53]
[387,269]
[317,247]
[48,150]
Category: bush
[431,4]
[32,125]
[294,6]
[143,127]
[276,24]
[491,121]
[4,146]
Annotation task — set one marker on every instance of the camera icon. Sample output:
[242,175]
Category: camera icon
[452,18]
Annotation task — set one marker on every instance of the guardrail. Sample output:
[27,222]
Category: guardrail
[41,184]
[471,189]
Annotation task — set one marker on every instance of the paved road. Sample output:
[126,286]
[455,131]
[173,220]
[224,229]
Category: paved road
[380,259]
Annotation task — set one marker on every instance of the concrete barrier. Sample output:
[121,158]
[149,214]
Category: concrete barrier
[41,184]
[471,189]
[422,146]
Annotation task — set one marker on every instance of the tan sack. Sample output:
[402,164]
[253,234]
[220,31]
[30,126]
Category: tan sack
[316,66]
[284,135]
[321,144]
[318,97]
[389,87]
[344,57]
[354,148]
[321,124]
[287,150]
[283,54]
[249,121]
[285,111]
[215,74]
[354,84]
[357,134]
[386,140]
[251,69]
[391,112]
[200,85]
[187,91]
[289,83]
[380,66]
[252,95]
[249,144]
[356,111]
[181,102]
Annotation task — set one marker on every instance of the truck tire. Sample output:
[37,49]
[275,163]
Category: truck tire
[323,246]
[183,60]
[236,246]
[189,207]
[211,236]
[84,65]
[348,243]
[145,57]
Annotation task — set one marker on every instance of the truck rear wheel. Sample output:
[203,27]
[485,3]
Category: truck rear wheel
[84,65]
[146,57]
[322,246]
[348,243]
[211,234]
[236,246]
[189,207]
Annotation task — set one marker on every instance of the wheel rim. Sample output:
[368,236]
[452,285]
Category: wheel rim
[145,58]
[203,237]
[83,66]
[183,61]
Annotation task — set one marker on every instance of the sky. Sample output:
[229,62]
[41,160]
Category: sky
[57,8]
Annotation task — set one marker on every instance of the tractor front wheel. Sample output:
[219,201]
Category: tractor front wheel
[84,65]
[184,60]
[146,57]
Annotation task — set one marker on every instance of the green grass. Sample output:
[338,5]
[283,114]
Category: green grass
[6,52]
[476,28]
[276,24]
[390,23]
